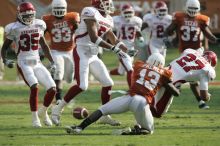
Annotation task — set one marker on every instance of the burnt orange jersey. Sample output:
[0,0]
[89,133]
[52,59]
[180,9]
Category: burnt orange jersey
[189,29]
[147,80]
[61,30]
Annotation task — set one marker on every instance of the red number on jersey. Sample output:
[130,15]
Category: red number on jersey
[190,58]
[29,41]
[128,32]
[160,31]
[101,30]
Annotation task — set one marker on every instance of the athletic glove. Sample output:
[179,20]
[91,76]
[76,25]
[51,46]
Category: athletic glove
[140,42]
[167,43]
[119,52]
[132,53]
[9,63]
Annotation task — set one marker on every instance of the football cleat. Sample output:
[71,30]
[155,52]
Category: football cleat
[137,130]
[124,131]
[108,120]
[73,129]
[55,115]
[203,106]
[36,123]
[44,116]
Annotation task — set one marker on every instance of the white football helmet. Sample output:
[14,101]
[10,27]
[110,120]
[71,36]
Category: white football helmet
[160,9]
[127,12]
[26,13]
[105,6]
[192,7]
[156,59]
[59,8]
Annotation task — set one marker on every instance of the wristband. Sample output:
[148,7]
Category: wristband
[98,41]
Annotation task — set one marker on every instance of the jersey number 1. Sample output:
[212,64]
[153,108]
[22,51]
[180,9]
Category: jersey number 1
[153,79]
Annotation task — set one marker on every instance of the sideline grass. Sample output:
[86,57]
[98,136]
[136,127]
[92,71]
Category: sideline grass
[183,125]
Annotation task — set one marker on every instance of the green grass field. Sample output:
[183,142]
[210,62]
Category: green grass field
[184,125]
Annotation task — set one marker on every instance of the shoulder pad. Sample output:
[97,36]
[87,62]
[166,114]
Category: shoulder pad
[88,12]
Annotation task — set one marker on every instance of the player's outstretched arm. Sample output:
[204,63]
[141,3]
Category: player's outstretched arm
[208,34]
[46,49]
[6,45]
[170,87]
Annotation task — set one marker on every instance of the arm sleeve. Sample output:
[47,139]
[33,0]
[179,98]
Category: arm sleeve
[9,32]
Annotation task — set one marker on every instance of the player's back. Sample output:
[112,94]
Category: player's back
[104,24]
[190,66]
[147,80]
[61,30]
[189,29]
[26,38]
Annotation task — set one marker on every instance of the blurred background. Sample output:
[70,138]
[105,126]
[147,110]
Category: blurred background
[208,7]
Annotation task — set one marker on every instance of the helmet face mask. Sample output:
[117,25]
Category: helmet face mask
[59,8]
[26,13]
[156,59]
[105,6]
[211,57]
[192,7]
[127,12]
[161,9]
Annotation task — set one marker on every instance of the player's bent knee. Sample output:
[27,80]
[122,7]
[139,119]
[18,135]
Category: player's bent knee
[83,87]
[52,90]
[34,86]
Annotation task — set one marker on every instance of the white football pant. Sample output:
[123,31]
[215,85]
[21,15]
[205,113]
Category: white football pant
[137,104]
[86,62]
[34,72]
[64,65]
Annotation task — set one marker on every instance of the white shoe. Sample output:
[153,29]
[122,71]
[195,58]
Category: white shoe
[108,120]
[73,129]
[55,115]
[36,122]
[42,113]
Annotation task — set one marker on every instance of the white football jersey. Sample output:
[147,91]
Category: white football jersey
[104,24]
[126,30]
[192,66]
[26,38]
[157,27]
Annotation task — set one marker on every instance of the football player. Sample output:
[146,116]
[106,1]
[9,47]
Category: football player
[61,27]
[191,66]
[127,28]
[27,32]
[95,24]
[147,79]
[157,23]
[188,26]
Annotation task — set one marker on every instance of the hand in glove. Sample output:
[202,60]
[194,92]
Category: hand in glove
[9,63]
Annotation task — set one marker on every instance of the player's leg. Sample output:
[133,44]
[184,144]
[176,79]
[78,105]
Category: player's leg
[195,89]
[68,67]
[46,80]
[81,62]
[104,78]
[30,79]
[59,72]
[143,115]
[115,106]
[127,64]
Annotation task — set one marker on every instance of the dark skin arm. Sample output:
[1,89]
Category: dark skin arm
[46,49]
[170,30]
[93,33]
[5,47]
[209,35]
[173,90]
[144,26]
